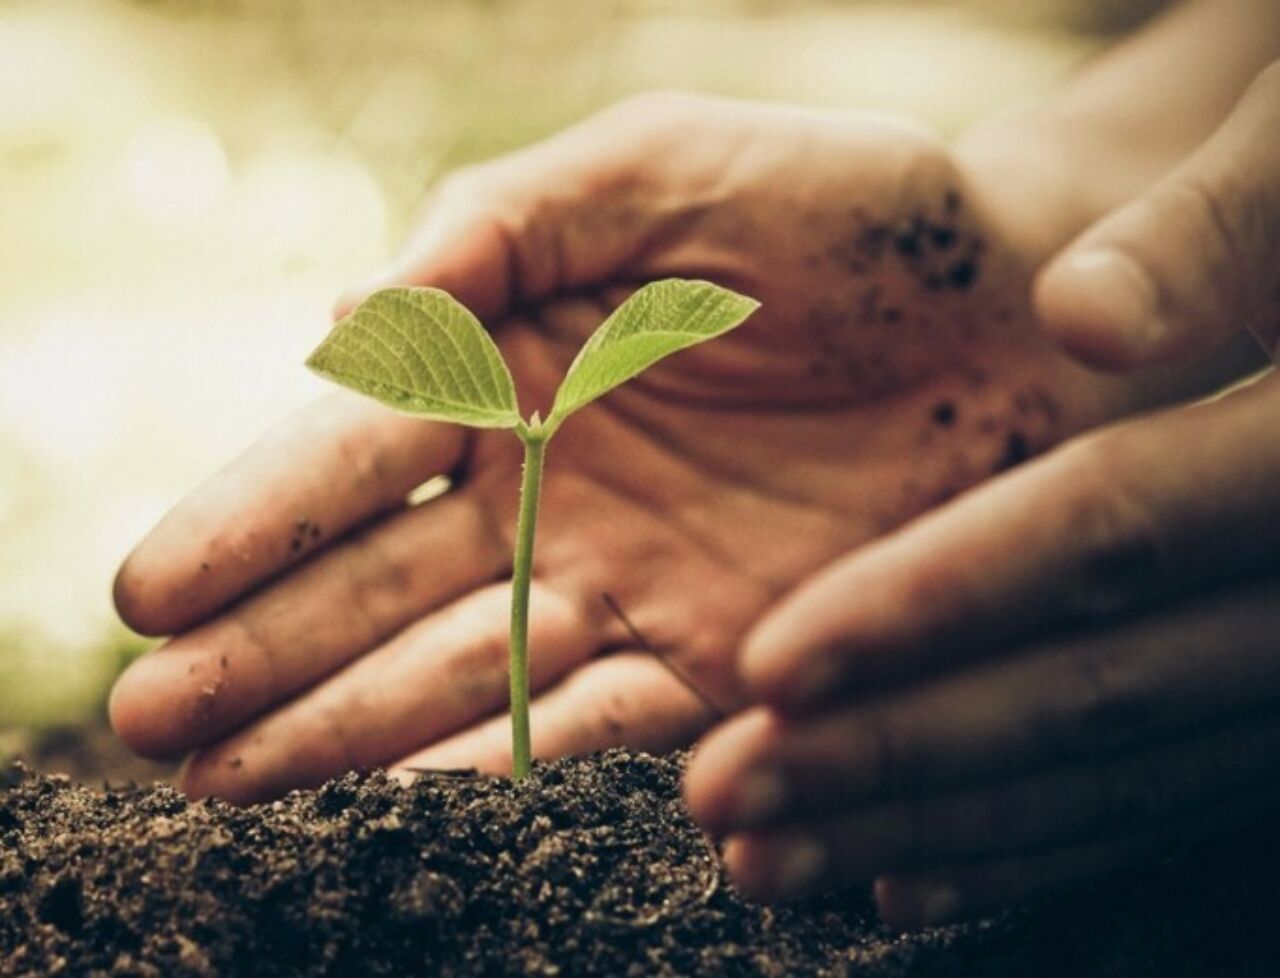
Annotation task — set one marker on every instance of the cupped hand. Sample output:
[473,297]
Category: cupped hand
[1075,665]
[322,623]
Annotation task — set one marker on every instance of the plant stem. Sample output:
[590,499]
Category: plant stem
[535,442]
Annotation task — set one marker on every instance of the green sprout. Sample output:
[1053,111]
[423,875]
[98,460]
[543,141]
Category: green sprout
[422,352]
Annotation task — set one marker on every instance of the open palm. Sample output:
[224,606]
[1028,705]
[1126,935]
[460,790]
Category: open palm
[323,623]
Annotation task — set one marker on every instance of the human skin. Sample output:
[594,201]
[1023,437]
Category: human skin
[1072,666]
[321,625]
[896,362]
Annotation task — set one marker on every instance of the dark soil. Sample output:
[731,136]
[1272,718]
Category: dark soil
[590,867]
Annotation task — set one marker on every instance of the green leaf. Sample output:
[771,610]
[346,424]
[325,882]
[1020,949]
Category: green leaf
[422,352]
[656,321]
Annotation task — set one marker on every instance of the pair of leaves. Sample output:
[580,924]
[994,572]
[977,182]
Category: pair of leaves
[422,352]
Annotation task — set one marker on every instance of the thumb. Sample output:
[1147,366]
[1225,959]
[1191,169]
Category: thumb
[1193,260]
[567,212]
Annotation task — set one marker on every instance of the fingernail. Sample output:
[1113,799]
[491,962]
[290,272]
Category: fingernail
[1117,286]
[799,864]
[761,796]
[938,905]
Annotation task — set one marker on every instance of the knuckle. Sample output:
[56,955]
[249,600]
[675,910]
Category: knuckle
[379,585]
[477,672]
[1120,556]
[603,715]
[613,718]
[335,721]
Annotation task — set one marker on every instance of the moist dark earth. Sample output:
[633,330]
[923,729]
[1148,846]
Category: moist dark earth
[589,867]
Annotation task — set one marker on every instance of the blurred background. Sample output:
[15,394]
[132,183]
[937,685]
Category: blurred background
[185,186]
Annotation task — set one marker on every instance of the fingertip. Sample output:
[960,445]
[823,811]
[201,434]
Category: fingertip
[745,868]
[198,778]
[914,904]
[178,696]
[1100,305]
[716,771]
[224,771]
[781,669]
[894,904]
[119,712]
[757,661]
[131,710]
[403,776]
[771,664]
[776,867]
[156,592]
[136,602]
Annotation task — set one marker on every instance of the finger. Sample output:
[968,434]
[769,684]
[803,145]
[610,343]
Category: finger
[307,481]
[438,676]
[1072,700]
[1099,527]
[1192,261]
[624,700]
[1070,805]
[925,900]
[567,212]
[276,643]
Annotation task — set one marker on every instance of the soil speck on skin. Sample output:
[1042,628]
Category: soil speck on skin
[932,244]
[963,274]
[589,867]
[1016,451]
[304,532]
[944,414]
[942,237]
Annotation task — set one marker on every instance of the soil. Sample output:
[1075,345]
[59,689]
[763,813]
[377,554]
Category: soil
[589,867]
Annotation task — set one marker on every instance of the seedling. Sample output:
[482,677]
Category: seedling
[422,352]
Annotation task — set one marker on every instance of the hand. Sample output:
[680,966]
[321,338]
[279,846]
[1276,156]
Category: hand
[323,624]
[1074,665]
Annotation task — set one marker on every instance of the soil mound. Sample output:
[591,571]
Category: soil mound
[589,867]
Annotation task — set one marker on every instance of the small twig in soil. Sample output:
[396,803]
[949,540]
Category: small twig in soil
[671,665]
